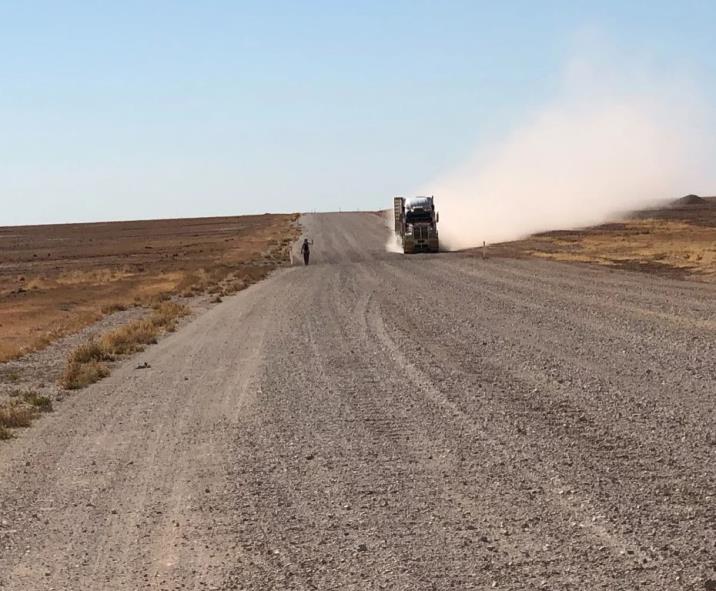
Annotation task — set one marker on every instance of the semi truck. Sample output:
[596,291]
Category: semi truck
[416,224]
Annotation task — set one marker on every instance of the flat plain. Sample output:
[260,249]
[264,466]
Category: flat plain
[375,421]
[57,279]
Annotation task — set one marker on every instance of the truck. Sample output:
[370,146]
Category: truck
[416,224]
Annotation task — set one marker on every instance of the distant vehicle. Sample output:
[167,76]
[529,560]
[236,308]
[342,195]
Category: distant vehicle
[416,224]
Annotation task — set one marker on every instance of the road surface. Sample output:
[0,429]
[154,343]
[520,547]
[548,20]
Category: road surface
[375,421]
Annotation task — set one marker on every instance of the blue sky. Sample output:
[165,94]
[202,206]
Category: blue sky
[140,109]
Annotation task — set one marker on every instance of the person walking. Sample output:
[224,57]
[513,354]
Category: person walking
[306,250]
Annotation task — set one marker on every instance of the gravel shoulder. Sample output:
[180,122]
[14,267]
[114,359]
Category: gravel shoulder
[375,421]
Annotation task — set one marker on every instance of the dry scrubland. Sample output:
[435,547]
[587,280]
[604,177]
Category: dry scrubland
[115,288]
[87,362]
[57,279]
[679,241]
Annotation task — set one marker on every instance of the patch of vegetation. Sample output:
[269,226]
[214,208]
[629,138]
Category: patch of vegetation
[167,313]
[92,350]
[5,433]
[160,297]
[38,401]
[79,375]
[8,352]
[131,338]
[15,415]
[113,307]
[234,286]
[85,364]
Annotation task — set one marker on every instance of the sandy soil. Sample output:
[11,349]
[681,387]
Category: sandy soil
[376,421]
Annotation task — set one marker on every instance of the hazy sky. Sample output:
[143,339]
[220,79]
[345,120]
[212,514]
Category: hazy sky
[137,109]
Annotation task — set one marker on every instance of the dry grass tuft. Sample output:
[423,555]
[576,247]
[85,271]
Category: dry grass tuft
[92,350]
[167,313]
[130,338]
[159,298]
[38,401]
[113,307]
[16,415]
[21,410]
[8,352]
[235,286]
[79,375]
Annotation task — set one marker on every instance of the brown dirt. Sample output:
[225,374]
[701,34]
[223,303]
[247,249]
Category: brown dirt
[678,241]
[55,280]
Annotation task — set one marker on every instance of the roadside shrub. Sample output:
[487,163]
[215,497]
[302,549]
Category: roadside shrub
[130,338]
[79,375]
[235,286]
[89,351]
[159,298]
[167,313]
[15,415]
[113,307]
[38,401]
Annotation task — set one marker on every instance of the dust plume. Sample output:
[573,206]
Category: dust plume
[610,143]
[392,243]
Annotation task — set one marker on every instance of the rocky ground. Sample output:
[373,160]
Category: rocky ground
[376,421]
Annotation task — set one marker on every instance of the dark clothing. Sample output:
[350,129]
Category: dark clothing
[306,252]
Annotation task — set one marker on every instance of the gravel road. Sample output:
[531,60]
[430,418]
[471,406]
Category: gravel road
[376,421]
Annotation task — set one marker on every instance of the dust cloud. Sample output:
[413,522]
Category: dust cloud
[392,243]
[610,143]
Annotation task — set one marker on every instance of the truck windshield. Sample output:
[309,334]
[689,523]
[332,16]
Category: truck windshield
[413,217]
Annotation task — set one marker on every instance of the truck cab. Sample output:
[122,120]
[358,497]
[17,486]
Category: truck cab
[416,224]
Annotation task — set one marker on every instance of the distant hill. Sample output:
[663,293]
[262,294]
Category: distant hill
[690,200]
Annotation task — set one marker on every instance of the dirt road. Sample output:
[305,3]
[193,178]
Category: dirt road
[376,421]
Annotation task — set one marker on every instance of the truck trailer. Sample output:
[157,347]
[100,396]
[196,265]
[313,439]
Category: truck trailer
[416,224]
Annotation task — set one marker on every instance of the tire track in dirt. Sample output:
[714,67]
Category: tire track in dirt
[518,476]
[564,422]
